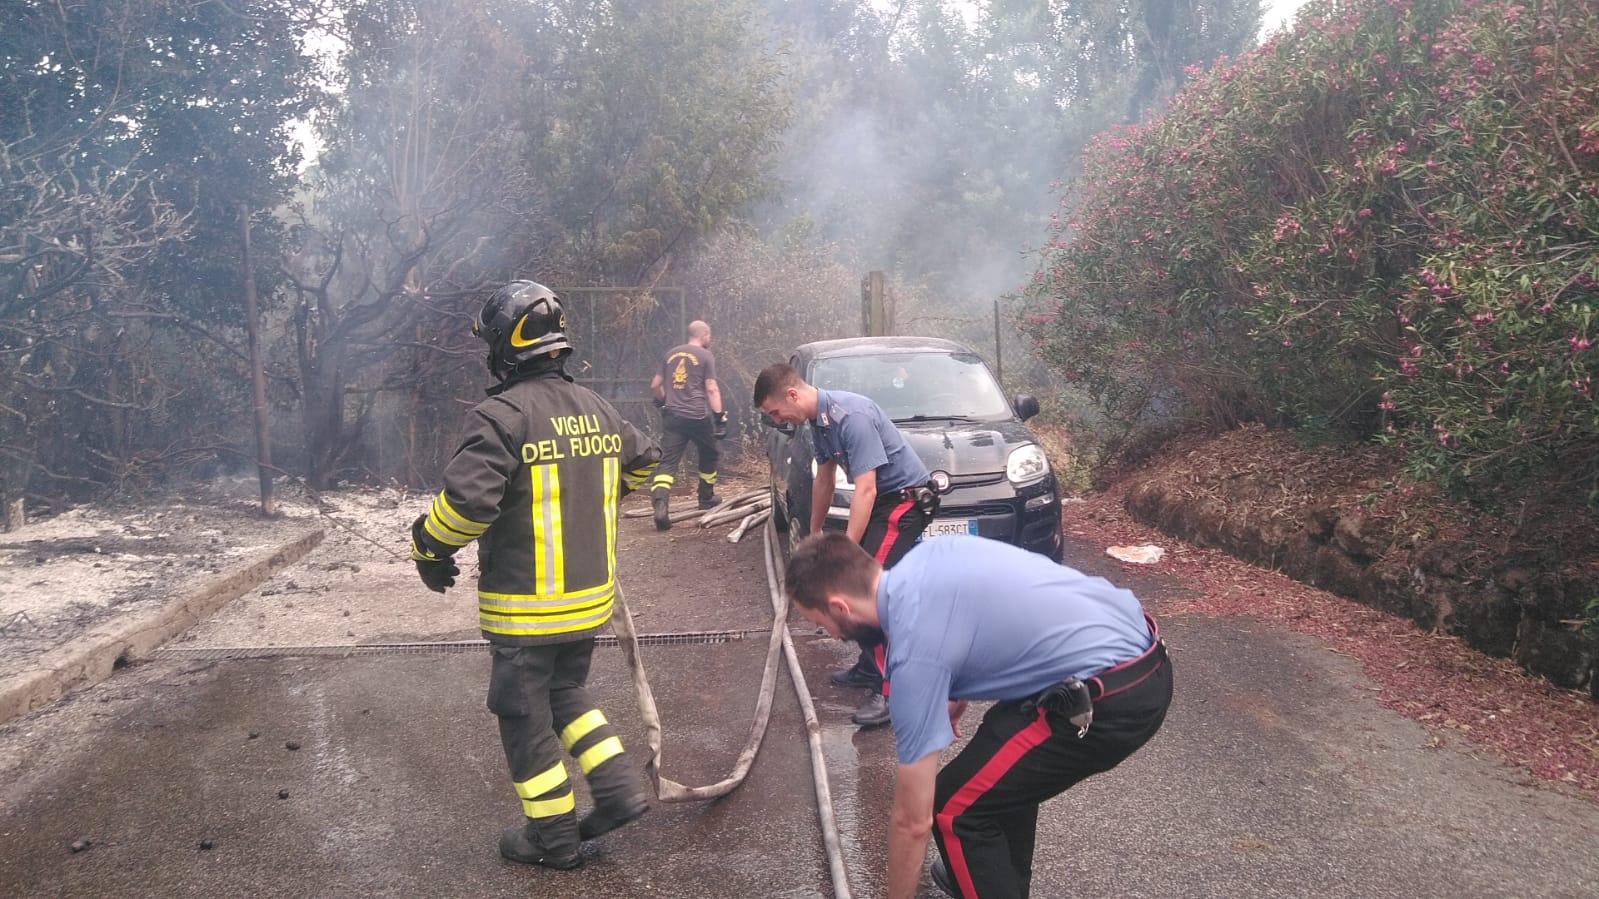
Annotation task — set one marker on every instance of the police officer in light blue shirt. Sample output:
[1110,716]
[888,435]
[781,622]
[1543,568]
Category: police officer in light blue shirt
[853,432]
[892,501]
[1076,668]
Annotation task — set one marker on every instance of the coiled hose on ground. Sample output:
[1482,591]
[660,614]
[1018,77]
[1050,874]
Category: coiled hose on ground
[781,642]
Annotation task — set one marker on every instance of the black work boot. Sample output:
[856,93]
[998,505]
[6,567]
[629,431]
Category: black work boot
[942,880]
[663,512]
[873,712]
[523,845]
[710,502]
[857,676]
[609,816]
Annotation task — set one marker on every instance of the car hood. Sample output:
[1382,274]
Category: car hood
[964,448]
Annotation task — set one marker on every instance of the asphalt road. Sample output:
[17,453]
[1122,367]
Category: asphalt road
[1276,775]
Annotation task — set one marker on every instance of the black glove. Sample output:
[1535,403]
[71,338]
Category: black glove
[437,571]
[660,402]
[719,425]
[439,575]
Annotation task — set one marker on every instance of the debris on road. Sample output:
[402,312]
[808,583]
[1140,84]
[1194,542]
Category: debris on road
[1147,554]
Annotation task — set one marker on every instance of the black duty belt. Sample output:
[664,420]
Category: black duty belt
[1107,683]
[1131,673]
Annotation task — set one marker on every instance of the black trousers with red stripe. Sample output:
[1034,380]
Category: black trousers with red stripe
[894,527]
[985,806]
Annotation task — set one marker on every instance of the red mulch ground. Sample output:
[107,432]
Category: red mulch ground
[1434,679]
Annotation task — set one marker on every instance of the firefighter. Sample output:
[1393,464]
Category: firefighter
[690,401]
[1079,677]
[892,503]
[536,479]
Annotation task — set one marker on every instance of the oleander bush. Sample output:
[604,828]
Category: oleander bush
[1382,225]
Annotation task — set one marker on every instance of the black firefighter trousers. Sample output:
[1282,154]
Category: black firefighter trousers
[985,805]
[539,695]
[676,434]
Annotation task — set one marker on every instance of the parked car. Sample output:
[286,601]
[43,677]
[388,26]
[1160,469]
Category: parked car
[991,474]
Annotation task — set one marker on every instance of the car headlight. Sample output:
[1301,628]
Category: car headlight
[1026,465]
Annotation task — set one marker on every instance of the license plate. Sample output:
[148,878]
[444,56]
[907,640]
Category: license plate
[945,526]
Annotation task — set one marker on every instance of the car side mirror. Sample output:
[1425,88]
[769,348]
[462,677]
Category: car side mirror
[785,430]
[1026,406]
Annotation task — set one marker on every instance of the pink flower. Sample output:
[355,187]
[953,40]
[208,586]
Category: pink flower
[1579,343]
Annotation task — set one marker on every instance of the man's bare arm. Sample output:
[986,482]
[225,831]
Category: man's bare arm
[910,824]
[822,494]
[713,394]
[860,505]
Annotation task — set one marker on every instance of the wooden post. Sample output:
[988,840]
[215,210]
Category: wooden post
[874,308]
[999,358]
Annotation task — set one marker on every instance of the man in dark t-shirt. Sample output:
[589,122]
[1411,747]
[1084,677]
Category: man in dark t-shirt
[690,401]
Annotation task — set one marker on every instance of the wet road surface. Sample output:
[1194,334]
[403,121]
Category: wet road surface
[1275,775]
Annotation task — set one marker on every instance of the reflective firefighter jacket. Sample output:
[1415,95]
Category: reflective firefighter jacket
[536,481]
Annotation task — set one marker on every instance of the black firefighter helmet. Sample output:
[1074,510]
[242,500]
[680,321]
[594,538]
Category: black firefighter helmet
[522,322]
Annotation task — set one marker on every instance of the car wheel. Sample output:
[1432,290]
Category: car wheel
[796,532]
[779,512]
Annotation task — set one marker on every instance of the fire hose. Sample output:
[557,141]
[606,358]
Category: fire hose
[781,641]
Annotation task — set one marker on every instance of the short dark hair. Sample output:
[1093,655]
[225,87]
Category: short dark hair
[829,562]
[775,378]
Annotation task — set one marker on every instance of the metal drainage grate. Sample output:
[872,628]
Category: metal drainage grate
[208,653]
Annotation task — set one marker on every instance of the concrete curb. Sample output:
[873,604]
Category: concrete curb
[92,657]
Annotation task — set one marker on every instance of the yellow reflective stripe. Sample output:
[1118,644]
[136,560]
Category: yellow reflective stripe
[454,520]
[557,534]
[535,602]
[582,727]
[445,535]
[515,627]
[540,784]
[662,480]
[599,753]
[547,530]
[549,808]
[637,476]
[708,478]
[613,490]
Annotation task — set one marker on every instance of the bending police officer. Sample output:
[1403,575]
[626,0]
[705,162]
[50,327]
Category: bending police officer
[1079,675]
[892,501]
[690,401]
[535,480]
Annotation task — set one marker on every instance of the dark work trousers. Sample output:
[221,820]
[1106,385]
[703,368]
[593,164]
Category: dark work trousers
[677,433]
[894,527]
[538,693]
[985,806]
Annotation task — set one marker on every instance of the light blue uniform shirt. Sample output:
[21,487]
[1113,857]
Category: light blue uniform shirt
[972,618]
[855,432]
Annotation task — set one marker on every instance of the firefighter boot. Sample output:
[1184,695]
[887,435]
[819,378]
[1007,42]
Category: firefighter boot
[709,501]
[548,842]
[607,817]
[620,796]
[663,510]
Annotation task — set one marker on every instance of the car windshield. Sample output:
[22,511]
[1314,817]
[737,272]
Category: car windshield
[913,386]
